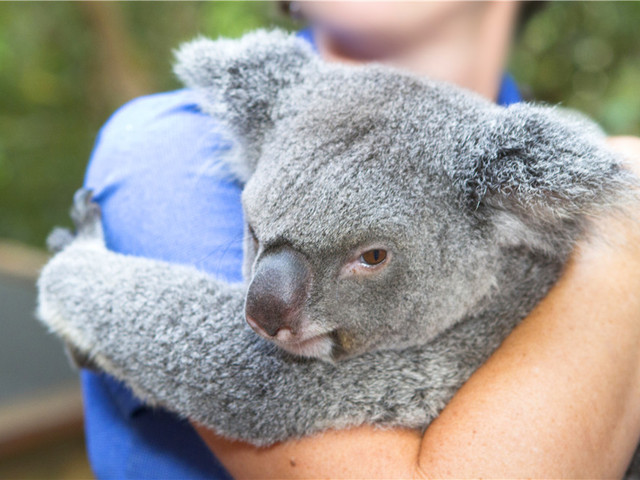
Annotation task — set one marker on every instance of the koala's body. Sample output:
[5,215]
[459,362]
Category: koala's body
[397,230]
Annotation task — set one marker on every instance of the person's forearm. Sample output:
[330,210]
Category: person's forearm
[560,397]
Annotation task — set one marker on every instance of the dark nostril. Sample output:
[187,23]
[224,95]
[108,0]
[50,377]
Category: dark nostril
[271,329]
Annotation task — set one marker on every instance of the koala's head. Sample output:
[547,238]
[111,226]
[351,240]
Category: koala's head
[378,204]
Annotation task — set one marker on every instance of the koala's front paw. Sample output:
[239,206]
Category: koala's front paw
[86,217]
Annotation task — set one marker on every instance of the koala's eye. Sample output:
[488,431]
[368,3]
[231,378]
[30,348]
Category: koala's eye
[368,262]
[373,257]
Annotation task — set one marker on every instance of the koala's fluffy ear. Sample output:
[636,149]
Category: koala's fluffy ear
[240,81]
[540,173]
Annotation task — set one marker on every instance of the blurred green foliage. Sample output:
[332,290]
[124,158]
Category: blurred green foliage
[585,55]
[65,67]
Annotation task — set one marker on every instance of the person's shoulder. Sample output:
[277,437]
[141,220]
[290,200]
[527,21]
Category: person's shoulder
[626,143]
[629,147]
[148,113]
[158,170]
[151,105]
[153,132]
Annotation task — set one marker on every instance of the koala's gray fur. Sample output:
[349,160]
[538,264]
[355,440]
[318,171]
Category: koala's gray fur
[478,204]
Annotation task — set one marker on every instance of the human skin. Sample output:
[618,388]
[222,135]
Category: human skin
[558,398]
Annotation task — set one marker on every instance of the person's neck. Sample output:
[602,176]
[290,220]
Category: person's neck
[468,51]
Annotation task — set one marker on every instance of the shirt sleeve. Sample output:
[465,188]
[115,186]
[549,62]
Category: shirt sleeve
[157,174]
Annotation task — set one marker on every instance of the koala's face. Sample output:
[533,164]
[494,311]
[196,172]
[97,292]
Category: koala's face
[378,203]
[355,239]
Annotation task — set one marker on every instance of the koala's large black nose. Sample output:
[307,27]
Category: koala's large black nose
[278,292]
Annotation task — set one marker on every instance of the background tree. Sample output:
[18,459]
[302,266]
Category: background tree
[65,67]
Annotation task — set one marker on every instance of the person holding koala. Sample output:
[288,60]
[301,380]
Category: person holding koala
[556,399]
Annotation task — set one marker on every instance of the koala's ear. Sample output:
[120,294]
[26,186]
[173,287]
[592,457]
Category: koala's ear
[540,173]
[240,80]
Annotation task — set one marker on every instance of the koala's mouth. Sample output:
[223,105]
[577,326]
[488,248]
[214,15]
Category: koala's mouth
[309,342]
[317,346]
[331,346]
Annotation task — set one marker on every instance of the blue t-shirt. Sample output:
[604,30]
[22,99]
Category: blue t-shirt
[156,172]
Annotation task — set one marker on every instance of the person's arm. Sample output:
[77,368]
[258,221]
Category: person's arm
[559,398]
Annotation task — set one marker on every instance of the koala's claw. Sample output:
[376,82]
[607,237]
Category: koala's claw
[58,239]
[79,359]
[83,211]
[85,214]
[86,217]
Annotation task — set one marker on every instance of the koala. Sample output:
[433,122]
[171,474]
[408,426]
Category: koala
[397,229]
